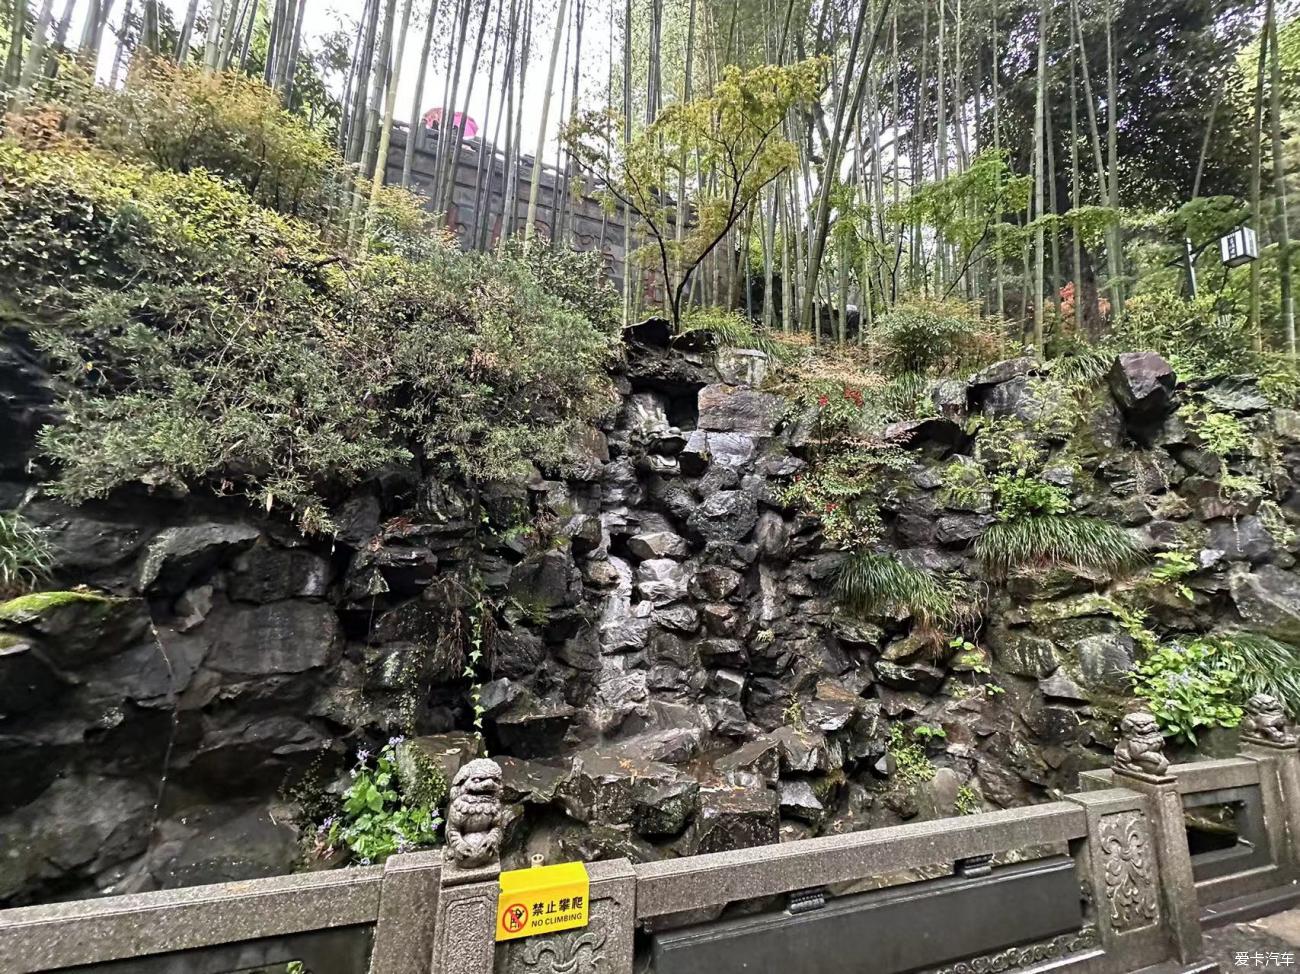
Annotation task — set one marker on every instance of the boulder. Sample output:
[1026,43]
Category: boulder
[178,556]
[658,544]
[799,801]
[1000,372]
[1143,386]
[1243,539]
[1268,600]
[741,366]
[609,784]
[725,515]
[806,750]
[1024,654]
[760,757]
[914,676]
[662,581]
[1105,661]
[736,815]
[267,573]
[735,409]
[214,844]
[548,580]
[530,728]
[280,637]
[427,765]
[665,808]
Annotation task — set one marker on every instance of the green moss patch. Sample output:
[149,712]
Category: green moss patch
[29,608]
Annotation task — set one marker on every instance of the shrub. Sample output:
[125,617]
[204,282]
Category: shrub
[203,339]
[25,556]
[933,337]
[1041,540]
[183,119]
[874,584]
[1191,334]
[1189,687]
[375,821]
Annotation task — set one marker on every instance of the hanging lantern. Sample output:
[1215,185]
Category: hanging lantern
[1239,247]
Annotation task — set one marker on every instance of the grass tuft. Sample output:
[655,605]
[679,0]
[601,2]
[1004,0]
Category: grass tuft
[1057,539]
[25,556]
[872,584]
[1263,664]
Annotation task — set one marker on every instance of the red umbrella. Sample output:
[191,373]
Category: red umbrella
[468,127]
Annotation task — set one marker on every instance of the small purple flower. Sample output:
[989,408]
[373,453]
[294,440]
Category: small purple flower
[363,756]
[394,741]
[365,861]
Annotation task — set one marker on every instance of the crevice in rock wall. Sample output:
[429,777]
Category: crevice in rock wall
[668,672]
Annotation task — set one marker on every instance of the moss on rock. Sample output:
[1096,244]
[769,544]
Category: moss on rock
[29,608]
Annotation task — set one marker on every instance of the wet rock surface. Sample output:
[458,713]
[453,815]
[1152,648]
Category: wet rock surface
[665,670]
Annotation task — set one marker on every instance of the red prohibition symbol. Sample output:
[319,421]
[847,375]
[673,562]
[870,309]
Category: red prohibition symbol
[515,917]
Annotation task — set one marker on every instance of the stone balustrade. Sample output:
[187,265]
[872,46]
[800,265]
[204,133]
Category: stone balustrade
[1109,880]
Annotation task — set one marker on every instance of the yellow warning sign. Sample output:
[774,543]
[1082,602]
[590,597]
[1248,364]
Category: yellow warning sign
[543,899]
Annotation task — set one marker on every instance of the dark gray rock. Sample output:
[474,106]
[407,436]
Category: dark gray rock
[1143,385]
[914,676]
[799,801]
[282,637]
[960,529]
[531,728]
[662,580]
[735,816]
[178,556]
[1245,539]
[1268,601]
[1000,372]
[1024,654]
[1105,661]
[735,409]
[725,515]
[548,580]
[658,544]
[265,573]
[715,583]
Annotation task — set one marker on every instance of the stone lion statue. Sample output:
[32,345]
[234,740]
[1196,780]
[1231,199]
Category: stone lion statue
[474,815]
[1266,720]
[1141,748]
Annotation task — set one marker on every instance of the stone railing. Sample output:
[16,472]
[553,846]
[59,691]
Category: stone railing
[1119,877]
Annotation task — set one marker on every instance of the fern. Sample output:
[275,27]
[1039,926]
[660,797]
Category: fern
[872,584]
[1052,539]
[730,330]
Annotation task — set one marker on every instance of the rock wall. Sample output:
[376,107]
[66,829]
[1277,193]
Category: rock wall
[666,670]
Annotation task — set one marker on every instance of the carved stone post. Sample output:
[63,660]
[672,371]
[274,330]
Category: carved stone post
[1266,739]
[465,934]
[408,911]
[1141,766]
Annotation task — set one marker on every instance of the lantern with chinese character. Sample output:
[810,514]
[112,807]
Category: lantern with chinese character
[1239,247]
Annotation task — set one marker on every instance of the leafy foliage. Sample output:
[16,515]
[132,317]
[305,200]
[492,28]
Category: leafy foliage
[375,821]
[25,555]
[844,492]
[733,133]
[931,337]
[1262,664]
[731,329]
[911,766]
[1189,687]
[875,584]
[205,339]
[1040,540]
